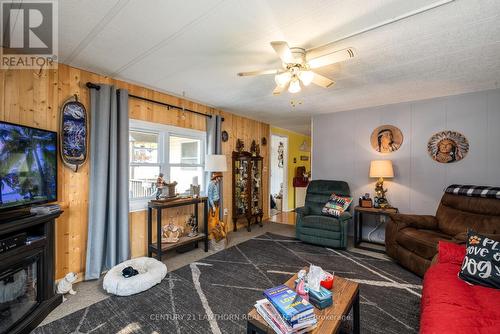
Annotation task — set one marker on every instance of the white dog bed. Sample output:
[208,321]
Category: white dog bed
[151,272]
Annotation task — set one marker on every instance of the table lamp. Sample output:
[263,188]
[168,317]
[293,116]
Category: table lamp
[380,169]
[215,163]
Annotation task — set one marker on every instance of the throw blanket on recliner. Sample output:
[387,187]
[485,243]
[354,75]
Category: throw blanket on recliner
[474,191]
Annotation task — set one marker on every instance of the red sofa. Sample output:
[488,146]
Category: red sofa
[449,305]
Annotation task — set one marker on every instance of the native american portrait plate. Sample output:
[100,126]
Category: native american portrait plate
[386,139]
[448,146]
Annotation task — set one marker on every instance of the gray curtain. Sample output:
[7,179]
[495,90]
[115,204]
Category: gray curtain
[108,230]
[214,146]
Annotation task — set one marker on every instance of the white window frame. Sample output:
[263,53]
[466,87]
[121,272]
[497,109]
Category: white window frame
[164,132]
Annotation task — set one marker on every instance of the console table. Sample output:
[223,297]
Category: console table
[358,224]
[159,205]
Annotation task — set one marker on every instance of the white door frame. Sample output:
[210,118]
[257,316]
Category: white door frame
[284,203]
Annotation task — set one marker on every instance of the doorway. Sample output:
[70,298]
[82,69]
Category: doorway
[278,175]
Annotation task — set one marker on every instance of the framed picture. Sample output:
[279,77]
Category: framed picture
[386,139]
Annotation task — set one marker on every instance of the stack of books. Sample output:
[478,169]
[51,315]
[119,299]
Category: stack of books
[285,311]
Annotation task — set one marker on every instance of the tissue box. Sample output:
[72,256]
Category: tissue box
[321,299]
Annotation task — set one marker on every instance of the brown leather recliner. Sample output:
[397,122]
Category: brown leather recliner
[412,239]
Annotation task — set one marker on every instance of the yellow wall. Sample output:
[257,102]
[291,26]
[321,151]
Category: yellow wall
[295,140]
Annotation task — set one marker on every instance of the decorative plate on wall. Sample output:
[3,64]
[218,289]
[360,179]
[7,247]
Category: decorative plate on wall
[73,134]
[448,146]
[386,139]
[225,136]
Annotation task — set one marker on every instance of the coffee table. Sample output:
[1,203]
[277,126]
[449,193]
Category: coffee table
[345,298]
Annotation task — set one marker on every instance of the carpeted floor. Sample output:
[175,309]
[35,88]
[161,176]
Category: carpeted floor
[215,294]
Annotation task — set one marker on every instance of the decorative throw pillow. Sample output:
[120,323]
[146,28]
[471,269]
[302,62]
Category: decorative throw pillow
[481,263]
[336,205]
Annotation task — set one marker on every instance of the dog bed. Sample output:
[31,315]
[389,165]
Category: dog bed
[151,272]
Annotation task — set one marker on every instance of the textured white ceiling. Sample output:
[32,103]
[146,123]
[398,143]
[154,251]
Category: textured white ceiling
[199,46]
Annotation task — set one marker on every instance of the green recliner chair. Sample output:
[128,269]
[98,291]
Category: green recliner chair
[314,227]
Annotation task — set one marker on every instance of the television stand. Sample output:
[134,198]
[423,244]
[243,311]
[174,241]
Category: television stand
[31,264]
[15,214]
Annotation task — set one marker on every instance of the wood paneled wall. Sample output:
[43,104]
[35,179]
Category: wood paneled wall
[34,98]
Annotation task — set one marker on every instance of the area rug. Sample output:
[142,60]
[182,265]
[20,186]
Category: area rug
[215,294]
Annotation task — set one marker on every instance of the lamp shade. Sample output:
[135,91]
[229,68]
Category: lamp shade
[381,168]
[215,163]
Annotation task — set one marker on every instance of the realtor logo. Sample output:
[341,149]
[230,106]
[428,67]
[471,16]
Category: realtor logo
[29,34]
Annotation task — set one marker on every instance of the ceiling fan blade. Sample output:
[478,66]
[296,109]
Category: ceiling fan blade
[283,51]
[251,73]
[278,90]
[322,81]
[331,58]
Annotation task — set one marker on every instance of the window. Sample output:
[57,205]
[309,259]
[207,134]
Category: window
[185,161]
[144,163]
[178,153]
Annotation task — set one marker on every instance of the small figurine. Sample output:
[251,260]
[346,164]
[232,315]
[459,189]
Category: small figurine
[66,285]
[239,145]
[194,190]
[171,232]
[253,148]
[194,226]
[160,183]
[380,195]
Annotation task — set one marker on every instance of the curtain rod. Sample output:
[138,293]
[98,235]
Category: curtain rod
[91,85]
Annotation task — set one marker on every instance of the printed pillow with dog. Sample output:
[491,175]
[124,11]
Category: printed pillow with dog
[336,205]
[481,264]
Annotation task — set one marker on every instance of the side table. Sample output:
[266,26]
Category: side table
[157,247]
[358,224]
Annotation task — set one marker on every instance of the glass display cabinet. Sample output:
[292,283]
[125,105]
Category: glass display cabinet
[247,188]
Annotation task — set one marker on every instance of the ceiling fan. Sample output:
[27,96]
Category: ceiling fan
[298,65]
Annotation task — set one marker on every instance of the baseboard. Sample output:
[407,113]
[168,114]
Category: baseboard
[80,278]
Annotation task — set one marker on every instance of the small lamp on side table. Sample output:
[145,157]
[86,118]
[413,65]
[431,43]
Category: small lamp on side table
[380,169]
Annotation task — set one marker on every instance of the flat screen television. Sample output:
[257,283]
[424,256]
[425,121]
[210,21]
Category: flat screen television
[28,166]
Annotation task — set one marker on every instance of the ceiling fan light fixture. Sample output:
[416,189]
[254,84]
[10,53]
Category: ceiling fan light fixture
[282,79]
[294,85]
[306,77]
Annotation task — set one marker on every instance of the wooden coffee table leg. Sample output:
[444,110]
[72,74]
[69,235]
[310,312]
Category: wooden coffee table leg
[251,329]
[355,313]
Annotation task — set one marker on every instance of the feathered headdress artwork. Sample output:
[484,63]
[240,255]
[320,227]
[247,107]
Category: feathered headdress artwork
[448,146]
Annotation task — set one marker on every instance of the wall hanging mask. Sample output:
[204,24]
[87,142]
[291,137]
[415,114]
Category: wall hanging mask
[448,146]
[386,139]
[73,133]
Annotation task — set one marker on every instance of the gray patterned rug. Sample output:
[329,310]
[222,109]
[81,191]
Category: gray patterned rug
[215,294]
